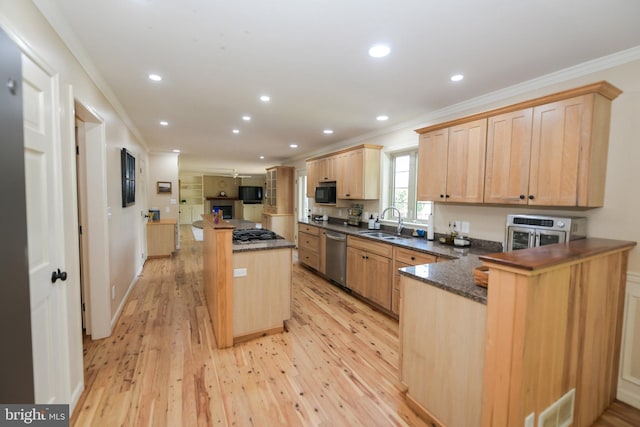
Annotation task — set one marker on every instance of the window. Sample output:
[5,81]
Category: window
[404,172]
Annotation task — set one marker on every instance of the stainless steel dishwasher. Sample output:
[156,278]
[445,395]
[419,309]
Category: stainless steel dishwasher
[336,257]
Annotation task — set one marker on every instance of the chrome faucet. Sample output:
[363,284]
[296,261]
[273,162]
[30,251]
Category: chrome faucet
[400,224]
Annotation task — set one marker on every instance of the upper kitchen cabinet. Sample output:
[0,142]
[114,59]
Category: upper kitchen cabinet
[312,177]
[548,151]
[356,171]
[508,157]
[279,190]
[327,169]
[553,153]
[359,173]
[451,163]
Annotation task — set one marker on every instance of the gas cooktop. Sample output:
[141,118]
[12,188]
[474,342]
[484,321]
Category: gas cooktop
[253,234]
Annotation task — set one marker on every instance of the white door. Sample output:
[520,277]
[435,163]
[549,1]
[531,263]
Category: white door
[44,223]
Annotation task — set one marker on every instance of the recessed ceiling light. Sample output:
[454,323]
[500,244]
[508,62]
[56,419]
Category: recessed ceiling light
[293,145]
[379,50]
[382,118]
[261,157]
[236,131]
[176,151]
[457,77]
[155,77]
[327,131]
[246,118]
[265,98]
[164,123]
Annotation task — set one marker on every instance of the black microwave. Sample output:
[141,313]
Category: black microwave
[326,194]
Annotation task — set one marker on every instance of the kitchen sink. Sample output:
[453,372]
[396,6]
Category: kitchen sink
[380,235]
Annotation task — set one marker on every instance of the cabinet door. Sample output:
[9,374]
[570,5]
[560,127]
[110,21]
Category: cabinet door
[312,178]
[508,155]
[379,280]
[559,129]
[356,269]
[196,212]
[432,165]
[466,162]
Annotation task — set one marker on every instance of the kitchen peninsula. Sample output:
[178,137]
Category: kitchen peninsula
[544,345]
[247,286]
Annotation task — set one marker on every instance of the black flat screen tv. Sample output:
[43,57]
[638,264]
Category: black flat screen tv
[249,194]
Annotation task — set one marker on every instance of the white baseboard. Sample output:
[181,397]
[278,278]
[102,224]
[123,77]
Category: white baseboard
[75,397]
[116,316]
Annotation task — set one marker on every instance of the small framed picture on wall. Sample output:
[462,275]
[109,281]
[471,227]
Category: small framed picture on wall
[164,187]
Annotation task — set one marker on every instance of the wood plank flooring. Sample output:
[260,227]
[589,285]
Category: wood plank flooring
[337,365]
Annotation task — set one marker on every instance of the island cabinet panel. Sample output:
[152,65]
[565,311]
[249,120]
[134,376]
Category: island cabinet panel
[552,329]
[442,352]
[451,163]
[369,270]
[262,297]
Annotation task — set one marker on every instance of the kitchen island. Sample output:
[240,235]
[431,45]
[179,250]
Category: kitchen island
[248,285]
[543,345]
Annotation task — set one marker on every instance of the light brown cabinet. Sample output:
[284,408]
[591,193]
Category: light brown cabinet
[312,177]
[161,238]
[309,246]
[569,152]
[549,155]
[549,151]
[405,258]
[281,224]
[279,190]
[369,270]
[452,163]
[359,174]
[355,170]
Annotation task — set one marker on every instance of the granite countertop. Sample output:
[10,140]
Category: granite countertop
[455,275]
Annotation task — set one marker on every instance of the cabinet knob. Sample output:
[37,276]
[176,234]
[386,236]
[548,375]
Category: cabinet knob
[442,196]
[446,196]
[413,258]
[531,197]
[347,195]
[522,197]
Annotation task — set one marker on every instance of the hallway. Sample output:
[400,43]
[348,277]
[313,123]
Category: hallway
[337,365]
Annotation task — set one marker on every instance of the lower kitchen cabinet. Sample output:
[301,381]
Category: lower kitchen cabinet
[369,270]
[405,258]
[309,246]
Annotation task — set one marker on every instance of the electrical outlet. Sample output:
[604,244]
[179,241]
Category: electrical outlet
[239,272]
[465,227]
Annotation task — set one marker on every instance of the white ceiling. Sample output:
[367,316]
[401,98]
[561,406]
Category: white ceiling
[217,57]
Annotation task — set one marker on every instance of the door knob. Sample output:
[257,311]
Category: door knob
[62,275]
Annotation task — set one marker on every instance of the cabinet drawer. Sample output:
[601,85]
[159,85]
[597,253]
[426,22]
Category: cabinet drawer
[309,229]
[370,246]
[308,257]
[411,257]
[309,242]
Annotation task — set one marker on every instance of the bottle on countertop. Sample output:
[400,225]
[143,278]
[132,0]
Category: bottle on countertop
[377,223]
[216,215]
[430,228]
[372,223]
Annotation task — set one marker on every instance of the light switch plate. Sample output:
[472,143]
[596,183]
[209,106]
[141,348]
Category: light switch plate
[239,272]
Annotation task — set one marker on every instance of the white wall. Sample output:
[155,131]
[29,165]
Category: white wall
[163,167]
[23,21]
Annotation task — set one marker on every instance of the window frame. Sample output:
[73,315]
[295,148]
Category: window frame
[412,199]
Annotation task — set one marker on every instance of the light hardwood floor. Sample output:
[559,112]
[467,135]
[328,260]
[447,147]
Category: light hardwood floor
[337,365]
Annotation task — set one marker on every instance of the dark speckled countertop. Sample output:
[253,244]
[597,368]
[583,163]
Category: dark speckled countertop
[239,224]
[455,275]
